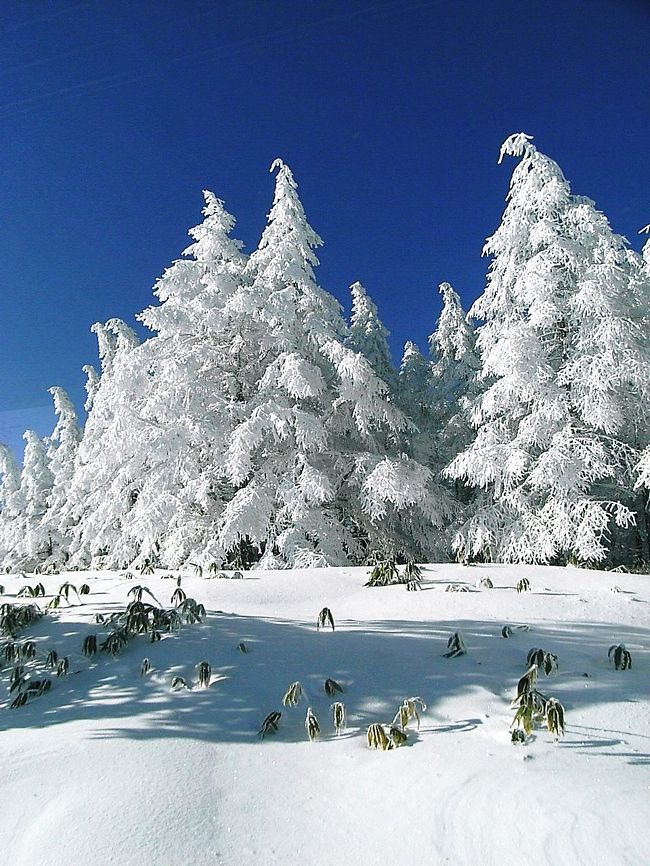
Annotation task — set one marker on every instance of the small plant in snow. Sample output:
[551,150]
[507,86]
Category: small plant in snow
[311,725]
[178,597]
[332,687]
[213,569]
[397,736]
[324,618]
[204,671]
[377,739]
[90,645]
[145,667]
[545,661]
[523,585]
[525,684]
[84,589]
[619,657]
[237,575]
[555,717]
[145,568]
[508,631]
[178,683]
[408,711]
[338,716]
[138,591]
[270,724]
[292,695]
[33,591]
[455,646]
[62,667]
[27,650]
[457,587]
[412,576]
[17,678]
[242,648]
[531,707]
[197,568]
[115,641]
[615,588]
[484,583]
[66,588]
[54,603]
[384,573]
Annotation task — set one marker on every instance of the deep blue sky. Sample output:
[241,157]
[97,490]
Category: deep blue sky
[115,115]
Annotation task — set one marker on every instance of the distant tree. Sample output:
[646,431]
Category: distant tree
[369,336]
[27,541]
[62,448]
[9,486]
[453,377]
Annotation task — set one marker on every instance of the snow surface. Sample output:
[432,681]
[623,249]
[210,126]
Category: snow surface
[113,768]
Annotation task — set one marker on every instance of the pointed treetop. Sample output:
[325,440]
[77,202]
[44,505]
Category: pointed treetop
[517,144]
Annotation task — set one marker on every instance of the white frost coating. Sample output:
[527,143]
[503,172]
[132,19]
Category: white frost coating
[517,144]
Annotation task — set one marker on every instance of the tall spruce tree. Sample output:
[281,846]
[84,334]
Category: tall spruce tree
[315,485]
[104,485]
[537,455]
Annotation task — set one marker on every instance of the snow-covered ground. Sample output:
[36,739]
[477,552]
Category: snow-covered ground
[113,768]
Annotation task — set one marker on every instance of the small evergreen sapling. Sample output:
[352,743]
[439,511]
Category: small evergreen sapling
[179,683]
[523,585]
[457,587]
[145,667]
[619,657]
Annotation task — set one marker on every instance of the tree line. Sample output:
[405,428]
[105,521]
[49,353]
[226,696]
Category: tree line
[258,426]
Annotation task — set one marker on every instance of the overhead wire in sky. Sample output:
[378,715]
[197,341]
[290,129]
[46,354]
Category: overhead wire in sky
[30,104]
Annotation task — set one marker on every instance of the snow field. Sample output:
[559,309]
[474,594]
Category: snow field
[113,768]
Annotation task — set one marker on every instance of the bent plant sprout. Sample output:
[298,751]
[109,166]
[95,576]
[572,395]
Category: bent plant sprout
[311,725]
[292,695]
[270,724]
[619,657]
[325,618]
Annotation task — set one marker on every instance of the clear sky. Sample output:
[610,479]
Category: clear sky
[115,115]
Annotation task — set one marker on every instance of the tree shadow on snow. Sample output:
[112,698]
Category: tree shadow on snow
[378,664]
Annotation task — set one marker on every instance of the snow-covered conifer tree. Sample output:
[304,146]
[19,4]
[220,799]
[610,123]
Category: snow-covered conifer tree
[369,336]
[453,378]
[414,382]
[9,485]
[315,484]
[162,411]
[26,539]
[537,454]
[62,448]
[105,479]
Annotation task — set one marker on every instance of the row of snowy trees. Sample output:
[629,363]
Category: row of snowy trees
[256,425]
